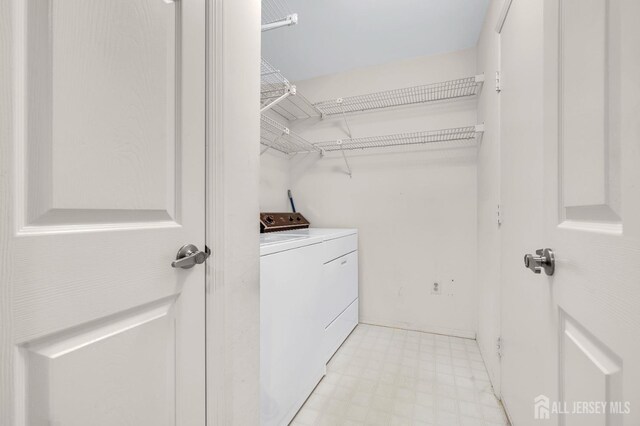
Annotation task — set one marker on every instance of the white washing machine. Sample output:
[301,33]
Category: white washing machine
[308,307]
[291,329]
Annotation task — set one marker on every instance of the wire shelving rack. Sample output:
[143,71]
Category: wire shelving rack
[279,96]
[468,134]
[274,135]
[452,89]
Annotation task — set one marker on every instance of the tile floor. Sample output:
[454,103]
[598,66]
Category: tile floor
[388,376]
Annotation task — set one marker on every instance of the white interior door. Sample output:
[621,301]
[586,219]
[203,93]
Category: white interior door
[106,171]
[592,188]
[571,150]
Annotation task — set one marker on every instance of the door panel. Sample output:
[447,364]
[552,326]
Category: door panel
[100,85]
[588,371]
[130,357]
[592,195]
[589,111]
[108,183]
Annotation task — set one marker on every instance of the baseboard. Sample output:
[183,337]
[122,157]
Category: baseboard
[465,334]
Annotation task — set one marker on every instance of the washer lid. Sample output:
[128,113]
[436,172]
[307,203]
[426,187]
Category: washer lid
[325,233]
[276,242]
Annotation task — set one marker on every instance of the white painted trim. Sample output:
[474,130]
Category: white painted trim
[7,354]
[215,396]
[503,15]
[233,158]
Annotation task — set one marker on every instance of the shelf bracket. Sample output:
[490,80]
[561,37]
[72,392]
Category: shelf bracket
[284,22]
[479,128]
[291,90]
[344,156]
[339,141]
[344,117]
[285,132]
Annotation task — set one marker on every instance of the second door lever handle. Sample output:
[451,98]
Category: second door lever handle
[544,259]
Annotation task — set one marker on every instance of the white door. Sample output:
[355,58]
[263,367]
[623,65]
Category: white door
[104,183]
[571,150]
[592,204]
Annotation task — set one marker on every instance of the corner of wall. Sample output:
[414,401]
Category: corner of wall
[488,181]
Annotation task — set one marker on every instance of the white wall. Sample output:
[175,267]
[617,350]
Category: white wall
[415,207]
[489,197]
[275,180]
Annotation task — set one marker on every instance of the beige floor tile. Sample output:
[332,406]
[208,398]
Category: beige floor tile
[386,376]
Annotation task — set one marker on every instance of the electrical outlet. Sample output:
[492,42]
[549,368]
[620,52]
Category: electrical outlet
[436,289]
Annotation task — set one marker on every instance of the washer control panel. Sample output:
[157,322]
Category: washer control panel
[270,222]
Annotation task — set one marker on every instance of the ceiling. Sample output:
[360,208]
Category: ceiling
[337,35]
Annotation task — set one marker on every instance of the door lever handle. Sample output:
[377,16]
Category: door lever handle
[188,256]
[544,259]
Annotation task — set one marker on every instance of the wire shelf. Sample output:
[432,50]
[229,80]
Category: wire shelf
[273,85]
[276,14]
[462,87]
[279,95]
[296,108]
[459,134]
[274,135]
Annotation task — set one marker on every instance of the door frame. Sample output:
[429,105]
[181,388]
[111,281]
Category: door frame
[6,169]
[499,24]
[232,193]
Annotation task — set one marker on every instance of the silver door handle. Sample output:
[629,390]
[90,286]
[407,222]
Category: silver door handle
[543,259]
[188,256]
